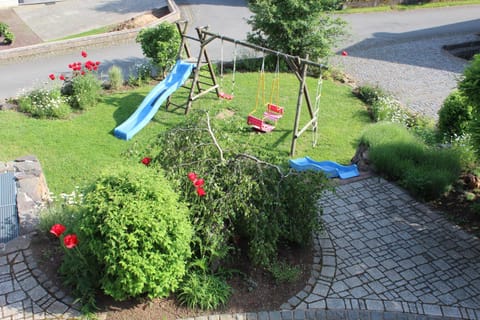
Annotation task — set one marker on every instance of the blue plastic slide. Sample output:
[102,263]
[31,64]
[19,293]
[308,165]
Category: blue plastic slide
[330,168]
[152,102]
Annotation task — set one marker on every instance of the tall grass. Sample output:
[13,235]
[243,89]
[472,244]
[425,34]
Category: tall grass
[426,172]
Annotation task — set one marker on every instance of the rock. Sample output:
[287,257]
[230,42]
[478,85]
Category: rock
[361,158]
[32,190]
[471,181]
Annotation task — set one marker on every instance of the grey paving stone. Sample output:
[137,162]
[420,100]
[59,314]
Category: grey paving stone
[15,296]
[6,286]
[432,310]
[321,304]
[374,305]
[37,293]
[274,315]
[335,303]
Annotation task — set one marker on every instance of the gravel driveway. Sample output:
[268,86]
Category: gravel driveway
[402,53]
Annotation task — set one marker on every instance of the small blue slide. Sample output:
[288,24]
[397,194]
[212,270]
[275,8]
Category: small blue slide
[152,102]
[330,168]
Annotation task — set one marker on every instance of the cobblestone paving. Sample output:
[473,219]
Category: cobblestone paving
[26,293]
[383,251]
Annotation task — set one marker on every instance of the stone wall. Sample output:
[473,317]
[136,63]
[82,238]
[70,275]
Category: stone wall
[32,190]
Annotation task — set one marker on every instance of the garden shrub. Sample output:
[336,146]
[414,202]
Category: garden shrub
[115,77]
[44,103]
[470,83]
[246,198]
[160,44]
[85,91]
[134,237]
[454,116]
[469,86]
[368,94]
[425,171]
[8,36]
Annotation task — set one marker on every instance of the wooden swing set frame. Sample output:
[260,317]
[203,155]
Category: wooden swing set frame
[296,64]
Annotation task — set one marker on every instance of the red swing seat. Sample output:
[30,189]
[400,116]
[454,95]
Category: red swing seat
[273,112]
[259,124]
[225,96]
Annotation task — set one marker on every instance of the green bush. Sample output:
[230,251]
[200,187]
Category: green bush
[134,234]
[204,291]
[8,36]
[115,77]
[470,83]
[160,44]
[246,198]
[398,155]
[368,94]
[44,103]
[85,91]
[454,115]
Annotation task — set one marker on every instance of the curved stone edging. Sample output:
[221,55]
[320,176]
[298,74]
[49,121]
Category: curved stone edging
[84,42]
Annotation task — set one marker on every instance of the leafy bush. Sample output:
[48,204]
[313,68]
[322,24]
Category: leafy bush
[246,198]
[134,235]
[44,103]
[397,154]
[368,94]
[470,84]
[160,44]
[454,115]
[115,77]
[278,24]
[8,36]
[204,291]
[85,91]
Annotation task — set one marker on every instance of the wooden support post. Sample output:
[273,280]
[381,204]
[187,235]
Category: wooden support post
[299,108]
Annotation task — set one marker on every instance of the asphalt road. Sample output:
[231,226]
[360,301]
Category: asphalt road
[229,18]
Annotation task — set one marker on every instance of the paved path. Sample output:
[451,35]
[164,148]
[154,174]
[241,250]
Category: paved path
[382,255]
[383,251]
[26,293]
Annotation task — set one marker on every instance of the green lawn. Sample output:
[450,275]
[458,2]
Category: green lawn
[73,152]
[425,5]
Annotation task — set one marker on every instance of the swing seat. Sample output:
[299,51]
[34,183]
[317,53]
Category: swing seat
[225,96]
[259,124]
[273,112]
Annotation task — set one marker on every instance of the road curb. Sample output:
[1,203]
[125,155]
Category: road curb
[99,40]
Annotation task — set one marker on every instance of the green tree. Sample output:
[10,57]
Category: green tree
[161,44]
[296,27]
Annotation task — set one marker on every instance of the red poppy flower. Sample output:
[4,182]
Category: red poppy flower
[70,241]
[51,76]
[97,63]
[344,53]
[95,68]
[192,176]
[84,54]
[201,192]
[70,66]
[146,161]
[62,77]
[58,229]
[199,183]
[83,73]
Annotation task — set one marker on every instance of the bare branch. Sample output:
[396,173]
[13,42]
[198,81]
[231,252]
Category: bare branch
[209,127]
